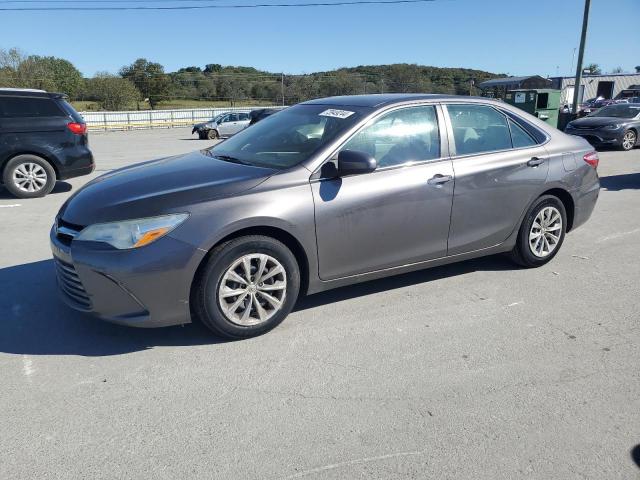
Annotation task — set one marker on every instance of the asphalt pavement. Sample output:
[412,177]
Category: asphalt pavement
[478,370]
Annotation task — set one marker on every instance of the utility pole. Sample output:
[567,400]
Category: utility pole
[282,87]
[583,40]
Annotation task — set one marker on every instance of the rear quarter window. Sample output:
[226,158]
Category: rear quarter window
[16,107]
[69,110]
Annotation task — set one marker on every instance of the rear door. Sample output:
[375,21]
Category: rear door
[396,215]
[243,121]
[499,169]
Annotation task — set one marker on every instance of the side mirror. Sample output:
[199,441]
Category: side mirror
[353,162]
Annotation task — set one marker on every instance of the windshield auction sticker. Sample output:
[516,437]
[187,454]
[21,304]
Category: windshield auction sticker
[336,113]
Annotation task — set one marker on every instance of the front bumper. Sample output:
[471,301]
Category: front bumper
[145,287]
[598,137]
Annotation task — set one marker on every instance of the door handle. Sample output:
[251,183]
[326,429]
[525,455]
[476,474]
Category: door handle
[535,161]
[439,179]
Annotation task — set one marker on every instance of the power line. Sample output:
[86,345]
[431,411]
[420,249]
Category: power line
[199,7]
[89,2]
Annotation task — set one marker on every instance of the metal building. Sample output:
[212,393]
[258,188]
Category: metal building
[592,86]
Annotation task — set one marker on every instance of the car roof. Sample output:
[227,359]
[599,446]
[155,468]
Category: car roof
[385,99]
[28,92]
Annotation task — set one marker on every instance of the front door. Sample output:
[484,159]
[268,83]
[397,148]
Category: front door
[499,169]
[229,125]
[396,215]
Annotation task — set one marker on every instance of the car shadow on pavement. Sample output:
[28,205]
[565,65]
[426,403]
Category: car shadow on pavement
[34,321]
[60,187]
[635,455]
[490,263]
[627,181]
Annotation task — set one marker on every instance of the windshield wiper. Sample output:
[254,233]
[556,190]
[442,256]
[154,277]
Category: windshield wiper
[228,158]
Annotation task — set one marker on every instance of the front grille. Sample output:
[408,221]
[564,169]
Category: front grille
[71,285]
[66,232]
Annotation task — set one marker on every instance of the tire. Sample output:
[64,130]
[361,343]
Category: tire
[212,134]
[629,139]
[524,252]
[28,176]
[217,312]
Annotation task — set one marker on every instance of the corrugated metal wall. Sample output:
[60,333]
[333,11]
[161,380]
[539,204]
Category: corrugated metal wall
[590,84]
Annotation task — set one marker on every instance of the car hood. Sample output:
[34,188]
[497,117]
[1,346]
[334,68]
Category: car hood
[158,187]
[202,125]
[598,121]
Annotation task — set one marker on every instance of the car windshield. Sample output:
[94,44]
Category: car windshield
[289,137]
[621,110]
[217,117]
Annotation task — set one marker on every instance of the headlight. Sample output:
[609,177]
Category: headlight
[613,126]
[132,233]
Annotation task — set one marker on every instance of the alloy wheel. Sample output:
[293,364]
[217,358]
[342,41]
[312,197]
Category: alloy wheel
[545,232]
[629,140]
[252,289]
[30,177]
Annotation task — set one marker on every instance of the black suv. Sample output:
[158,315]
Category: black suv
[42,140]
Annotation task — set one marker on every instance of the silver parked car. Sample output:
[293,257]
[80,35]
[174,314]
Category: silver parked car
[223,125]
[324,194]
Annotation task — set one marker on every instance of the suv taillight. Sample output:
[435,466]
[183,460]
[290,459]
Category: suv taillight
[77,128]
[592,159]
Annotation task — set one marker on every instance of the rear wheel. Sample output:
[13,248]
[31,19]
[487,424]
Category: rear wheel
[541,233]
[629,140]
[212,134]
[29,176]
[247,287]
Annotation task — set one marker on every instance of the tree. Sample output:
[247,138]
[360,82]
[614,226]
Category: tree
[52,73]
[112,92]
[190,70]
[617,70]
[149,78]
[46,73]
[593,69]
[637,69]
[212,68]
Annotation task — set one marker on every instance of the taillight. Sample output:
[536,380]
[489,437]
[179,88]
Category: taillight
[592,159]
[77,128]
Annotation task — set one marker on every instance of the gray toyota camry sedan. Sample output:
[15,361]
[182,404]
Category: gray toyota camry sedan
[324,194]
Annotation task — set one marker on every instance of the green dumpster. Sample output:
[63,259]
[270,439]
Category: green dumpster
[544,103]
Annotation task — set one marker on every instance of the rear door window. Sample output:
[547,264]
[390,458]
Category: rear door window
[478,129]
[69,110]
[13,107]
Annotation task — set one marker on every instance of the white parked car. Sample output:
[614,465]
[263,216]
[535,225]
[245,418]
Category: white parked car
[223,125]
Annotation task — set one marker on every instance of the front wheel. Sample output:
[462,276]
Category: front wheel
[212,134]
[29,176]
[628,140]
[541,233]
[247,287]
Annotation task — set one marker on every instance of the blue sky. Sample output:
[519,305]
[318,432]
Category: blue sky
[514,37]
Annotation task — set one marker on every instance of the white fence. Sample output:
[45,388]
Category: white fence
[136,119]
